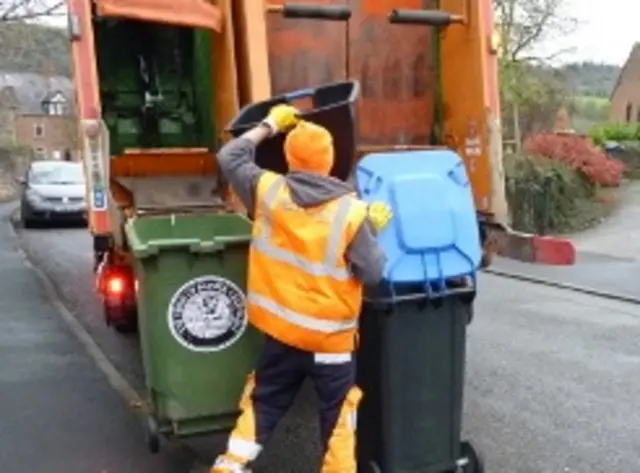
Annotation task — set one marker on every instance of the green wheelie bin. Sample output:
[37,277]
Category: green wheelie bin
[197,345]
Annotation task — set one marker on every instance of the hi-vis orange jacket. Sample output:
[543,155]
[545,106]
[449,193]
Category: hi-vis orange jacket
[300,290]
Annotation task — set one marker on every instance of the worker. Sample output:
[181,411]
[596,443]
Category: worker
[313,248]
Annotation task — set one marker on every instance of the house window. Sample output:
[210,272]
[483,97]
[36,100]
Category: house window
[56,105]
[40,153]
[38,130]
[629,111]
[56,108]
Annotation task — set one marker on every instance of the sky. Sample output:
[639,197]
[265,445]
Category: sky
[605,31]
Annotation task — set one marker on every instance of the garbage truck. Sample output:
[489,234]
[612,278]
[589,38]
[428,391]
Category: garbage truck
[160,89]
[156,86]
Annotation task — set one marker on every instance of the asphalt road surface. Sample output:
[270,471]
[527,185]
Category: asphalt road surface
[58,414]
[552,382]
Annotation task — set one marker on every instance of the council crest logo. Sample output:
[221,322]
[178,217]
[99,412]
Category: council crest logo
[207,314]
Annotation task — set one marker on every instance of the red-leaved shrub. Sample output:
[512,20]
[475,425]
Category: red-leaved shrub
[580,154]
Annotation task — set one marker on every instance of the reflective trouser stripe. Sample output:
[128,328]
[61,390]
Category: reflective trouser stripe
[301,320]
[245,449]
[332,358]
[242,446]
[340,456]
[328,267]
[226,465]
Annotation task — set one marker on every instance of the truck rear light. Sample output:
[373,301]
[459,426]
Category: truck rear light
[116,282]
[115,285]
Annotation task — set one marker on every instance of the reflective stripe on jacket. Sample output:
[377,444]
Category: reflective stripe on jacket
[300,290]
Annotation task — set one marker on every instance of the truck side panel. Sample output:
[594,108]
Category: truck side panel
[397,69]
[304,52]
[89,109]
[394,64]
[472,113]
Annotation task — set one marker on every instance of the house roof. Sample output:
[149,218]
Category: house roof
[634,55]
[32,89]
[52,94]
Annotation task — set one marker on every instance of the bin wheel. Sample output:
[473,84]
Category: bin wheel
[153,435]
[475,462]
[470,315]
[126,326]
[122,324]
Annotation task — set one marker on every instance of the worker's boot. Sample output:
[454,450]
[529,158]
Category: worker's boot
[224,465]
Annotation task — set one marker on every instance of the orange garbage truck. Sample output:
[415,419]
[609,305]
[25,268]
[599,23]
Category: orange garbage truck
[157,84]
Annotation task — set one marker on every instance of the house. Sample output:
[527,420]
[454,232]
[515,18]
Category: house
[38,112]
[625,98]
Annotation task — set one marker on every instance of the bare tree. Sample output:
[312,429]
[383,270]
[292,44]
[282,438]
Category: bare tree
[22,10]
[525,26]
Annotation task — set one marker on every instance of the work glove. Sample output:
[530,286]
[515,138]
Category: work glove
[379,215]
[281,118]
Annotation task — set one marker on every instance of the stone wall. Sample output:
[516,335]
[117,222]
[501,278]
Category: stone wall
[13,164]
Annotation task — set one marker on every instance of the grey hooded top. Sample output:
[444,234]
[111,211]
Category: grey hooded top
[236,159]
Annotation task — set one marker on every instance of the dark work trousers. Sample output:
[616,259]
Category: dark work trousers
[271,391]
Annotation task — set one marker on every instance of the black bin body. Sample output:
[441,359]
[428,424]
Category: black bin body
[411,361]
[332,107]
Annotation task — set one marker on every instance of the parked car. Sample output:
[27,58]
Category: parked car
[53,191]
[614,149]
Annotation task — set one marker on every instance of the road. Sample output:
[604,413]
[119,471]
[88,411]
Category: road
[552,381]
[57,412]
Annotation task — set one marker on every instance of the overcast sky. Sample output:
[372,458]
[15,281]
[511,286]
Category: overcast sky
[605,30]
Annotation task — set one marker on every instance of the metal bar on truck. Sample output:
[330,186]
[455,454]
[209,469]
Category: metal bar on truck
[435,18]
[312,12]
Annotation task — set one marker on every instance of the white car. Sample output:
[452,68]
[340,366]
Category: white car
[53,191]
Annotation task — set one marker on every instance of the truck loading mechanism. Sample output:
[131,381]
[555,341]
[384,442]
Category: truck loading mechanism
[150,81]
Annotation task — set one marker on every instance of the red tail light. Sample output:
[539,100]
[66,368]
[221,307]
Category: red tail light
[116,282]
[115,285]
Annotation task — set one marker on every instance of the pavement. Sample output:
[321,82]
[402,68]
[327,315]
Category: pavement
[600,272]
[619,235]
[608,255]
[58,413]
[552,381]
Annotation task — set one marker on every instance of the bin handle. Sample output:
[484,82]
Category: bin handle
[418,296]
[195,245]
[219,244]
[429,293]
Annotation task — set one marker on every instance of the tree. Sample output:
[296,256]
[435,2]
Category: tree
[21,10]
[524,27]
[29,47]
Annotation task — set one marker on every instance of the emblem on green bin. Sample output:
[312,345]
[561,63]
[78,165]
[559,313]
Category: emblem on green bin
[207,314]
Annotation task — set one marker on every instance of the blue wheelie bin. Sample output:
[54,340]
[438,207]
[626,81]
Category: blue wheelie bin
[411,355]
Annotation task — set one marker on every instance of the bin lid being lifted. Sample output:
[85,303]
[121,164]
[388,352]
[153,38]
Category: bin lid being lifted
[433,235]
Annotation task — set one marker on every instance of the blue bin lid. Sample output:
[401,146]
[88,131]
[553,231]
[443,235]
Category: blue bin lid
[434,233]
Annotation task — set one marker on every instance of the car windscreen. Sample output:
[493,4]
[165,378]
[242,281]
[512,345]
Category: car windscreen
[56,174]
